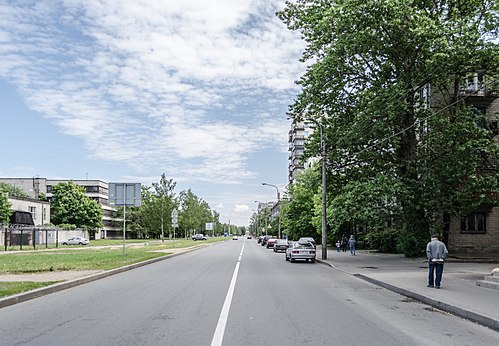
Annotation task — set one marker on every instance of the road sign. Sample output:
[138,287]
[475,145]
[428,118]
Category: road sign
[174,217]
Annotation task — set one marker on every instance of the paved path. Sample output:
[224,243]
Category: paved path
[408,276]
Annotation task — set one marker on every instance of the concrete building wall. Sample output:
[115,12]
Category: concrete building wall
[39,209]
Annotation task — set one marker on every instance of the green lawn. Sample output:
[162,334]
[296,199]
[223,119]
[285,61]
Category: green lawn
[10,288]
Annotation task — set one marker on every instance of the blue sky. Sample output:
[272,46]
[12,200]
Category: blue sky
[123,91]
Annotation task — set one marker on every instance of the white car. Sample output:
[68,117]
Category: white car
[75,241]
[297,250]
[234,237]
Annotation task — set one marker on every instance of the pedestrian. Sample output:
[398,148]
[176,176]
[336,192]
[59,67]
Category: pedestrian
[436,252]
[352,242]
[338,244]
[344,242]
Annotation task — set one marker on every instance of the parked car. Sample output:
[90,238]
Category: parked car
[297,250]
[234,237]
[75,241]
[199,237]
[307,240]
[259,240]
[249,236]
[265,239]
[281,245]
[271,242]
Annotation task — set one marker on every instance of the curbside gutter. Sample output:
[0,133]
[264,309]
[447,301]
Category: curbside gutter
[39,292]
[454,310]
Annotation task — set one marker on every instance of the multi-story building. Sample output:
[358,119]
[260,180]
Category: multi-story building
[39,210]
[298,134]
[95,189]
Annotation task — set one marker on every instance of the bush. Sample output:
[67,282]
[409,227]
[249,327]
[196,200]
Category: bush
[412,244]
[383,240]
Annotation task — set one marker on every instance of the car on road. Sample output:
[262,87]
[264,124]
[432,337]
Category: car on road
[302,251]
[307,240]
[75,241]
[260,238]
[248,237]
[281,245]
[199,237]
[234,237]
[271,242]
[265,239]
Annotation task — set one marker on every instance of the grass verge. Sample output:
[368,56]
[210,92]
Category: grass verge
[11,288]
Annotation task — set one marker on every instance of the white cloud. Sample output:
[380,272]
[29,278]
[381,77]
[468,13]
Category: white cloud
[192,86]
[241,208]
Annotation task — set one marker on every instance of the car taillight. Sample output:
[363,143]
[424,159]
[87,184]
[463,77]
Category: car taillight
[312,252]
[295,251]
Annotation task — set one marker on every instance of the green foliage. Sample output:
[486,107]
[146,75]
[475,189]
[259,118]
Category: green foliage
[392,160]
[67,226]
[412,244]
[12,190]
[384,240]
[5,210]
[296,216]
[70,205]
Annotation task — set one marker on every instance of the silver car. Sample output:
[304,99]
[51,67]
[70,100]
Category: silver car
[300,250]
[75,241]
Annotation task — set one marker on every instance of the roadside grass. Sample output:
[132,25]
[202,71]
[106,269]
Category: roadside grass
[89,258]
[10,288]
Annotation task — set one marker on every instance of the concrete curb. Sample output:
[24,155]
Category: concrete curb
[22,297]
[454,310]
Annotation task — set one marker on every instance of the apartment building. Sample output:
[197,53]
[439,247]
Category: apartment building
[94,189]
[298,134]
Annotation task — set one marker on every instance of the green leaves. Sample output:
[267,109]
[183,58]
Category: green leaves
[70,205]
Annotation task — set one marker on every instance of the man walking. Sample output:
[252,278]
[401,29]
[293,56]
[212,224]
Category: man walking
[436,252]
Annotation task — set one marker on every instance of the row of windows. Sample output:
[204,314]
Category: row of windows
[473,223]
[88,189]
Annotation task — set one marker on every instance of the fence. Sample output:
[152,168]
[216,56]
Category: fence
[14,235]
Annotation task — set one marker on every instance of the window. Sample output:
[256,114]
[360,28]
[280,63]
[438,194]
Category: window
[90,189]
[49,188]
[32,210]
[473,223]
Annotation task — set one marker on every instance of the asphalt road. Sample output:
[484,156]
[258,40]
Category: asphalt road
[188,300]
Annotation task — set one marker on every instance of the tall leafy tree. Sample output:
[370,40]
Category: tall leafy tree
[13,190]
[373,64]
[5,210]
[70,205]
[194,213]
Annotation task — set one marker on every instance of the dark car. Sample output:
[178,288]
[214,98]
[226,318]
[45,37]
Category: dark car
[281,245]
[259,240]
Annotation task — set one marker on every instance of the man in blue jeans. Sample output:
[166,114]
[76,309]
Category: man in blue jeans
[436,252]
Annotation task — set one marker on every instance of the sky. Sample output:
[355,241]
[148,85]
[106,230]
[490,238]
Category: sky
[123,91]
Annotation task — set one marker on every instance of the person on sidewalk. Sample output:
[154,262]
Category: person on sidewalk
[436,252]
[338,244]
[351,243]
[344,242]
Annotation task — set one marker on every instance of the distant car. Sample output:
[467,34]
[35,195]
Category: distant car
[248,237]
[281,245]
[199,237]
[75,241]
[307,240]
[297,250]
[271,242]
[234,237]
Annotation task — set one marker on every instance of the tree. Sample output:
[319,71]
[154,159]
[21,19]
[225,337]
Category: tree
[70,205]
[297,215]
[13,190]
[194,213]
[400,159]
[5,210]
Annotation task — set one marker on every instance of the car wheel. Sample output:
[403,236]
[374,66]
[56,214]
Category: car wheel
[64,243]
[287,258]
[80,243]
[312,260]
[291,259]
[275,250]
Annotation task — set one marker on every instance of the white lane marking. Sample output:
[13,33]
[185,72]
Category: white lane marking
[224,315]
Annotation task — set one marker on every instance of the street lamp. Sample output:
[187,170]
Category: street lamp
[278,199]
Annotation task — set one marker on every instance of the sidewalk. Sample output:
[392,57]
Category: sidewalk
[459,294]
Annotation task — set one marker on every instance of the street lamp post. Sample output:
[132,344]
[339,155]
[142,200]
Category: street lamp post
[279,206]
